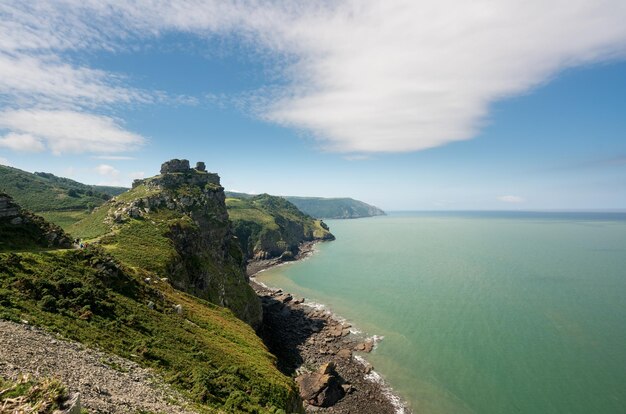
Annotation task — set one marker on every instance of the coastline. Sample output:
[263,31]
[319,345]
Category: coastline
[305,335]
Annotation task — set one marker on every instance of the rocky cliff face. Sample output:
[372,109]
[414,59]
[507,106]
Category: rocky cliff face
[176,224]
[21,229]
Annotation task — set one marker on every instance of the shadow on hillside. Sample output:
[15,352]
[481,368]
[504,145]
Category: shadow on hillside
[285,329]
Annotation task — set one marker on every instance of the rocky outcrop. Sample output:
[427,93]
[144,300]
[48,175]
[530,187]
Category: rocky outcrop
[321,388]
[21,229]
[174,166]
[208,262]
[7,207]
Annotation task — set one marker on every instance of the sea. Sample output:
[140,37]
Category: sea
[481,312]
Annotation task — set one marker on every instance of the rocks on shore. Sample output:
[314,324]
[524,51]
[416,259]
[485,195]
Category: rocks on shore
[321,388]
[320,349]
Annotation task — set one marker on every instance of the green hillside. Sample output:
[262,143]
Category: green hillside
[211,356]
[162,283]
[60,200]
[268,226]
[329,208]
[335,208]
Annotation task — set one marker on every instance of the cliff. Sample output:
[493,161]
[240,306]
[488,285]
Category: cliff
[268,227]
[21,229]
[176,225]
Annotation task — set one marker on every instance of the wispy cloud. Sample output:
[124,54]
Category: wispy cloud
[511,199]
[107,170]
[66,131]
[361,76]
[22,142]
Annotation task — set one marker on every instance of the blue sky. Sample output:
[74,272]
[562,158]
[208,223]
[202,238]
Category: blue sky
[517,105]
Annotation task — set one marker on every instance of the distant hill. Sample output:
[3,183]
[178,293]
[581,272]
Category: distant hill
[330,208]
[60,200]
[335,208]
[269,226]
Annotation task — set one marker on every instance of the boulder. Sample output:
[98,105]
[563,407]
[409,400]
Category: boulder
[366,346]
[175,166]
[321,388]
[344,353]
[200,166]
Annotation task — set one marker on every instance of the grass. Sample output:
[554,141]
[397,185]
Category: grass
[26,395]
[64,219]
[144,243]
[92,226]
[47,192]
[211,356]
[272,224]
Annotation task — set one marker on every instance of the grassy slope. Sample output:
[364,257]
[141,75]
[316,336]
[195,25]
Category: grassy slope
[49,195]
[320,207]
[335,207]
[266,216]
[207,353]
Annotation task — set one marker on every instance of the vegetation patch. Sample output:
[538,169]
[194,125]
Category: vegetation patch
[270,226]
[202,349]
[27,395]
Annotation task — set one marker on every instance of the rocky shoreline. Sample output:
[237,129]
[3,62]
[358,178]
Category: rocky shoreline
[322,352]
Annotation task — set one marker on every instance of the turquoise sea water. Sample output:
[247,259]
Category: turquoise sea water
[482,312]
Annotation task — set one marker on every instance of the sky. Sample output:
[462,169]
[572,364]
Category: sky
[408,105]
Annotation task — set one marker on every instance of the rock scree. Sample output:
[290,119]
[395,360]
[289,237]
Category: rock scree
[105,383]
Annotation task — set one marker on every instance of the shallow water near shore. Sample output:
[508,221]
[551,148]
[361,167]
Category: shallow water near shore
[482,312]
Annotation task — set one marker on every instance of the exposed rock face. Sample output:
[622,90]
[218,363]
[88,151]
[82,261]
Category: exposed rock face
[7,207]
[22,229]
[321,388]
[200,166]
[175,166]
[209,263]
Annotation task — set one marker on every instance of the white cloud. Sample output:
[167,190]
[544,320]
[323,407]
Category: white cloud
[511,199]
[71,131]
[107,170]
[361,76]
[53,83]
[136,175]
[4,161]
[22,142]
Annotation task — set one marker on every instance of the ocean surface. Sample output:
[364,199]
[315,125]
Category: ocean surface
[482,312]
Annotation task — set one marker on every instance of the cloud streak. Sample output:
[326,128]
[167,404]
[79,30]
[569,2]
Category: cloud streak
[66,132]
[360,76]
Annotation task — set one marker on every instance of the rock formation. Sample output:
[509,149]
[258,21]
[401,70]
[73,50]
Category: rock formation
[207,261]
[321,388]
[175,166]
[22,229]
